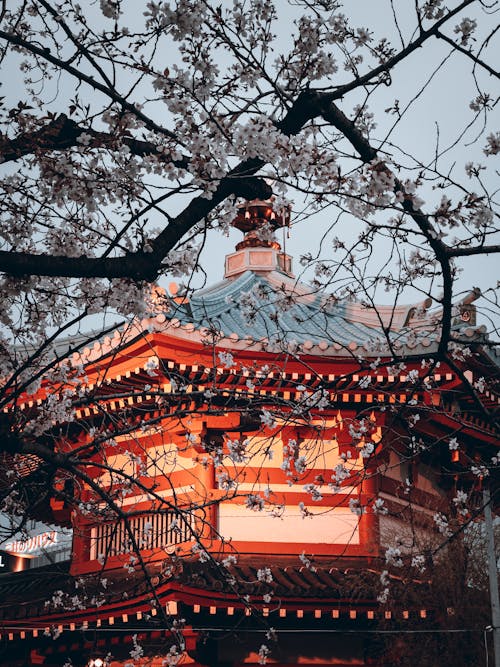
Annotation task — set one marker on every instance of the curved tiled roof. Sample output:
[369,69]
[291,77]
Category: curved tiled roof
[273,308]
[283,310]
[25,594]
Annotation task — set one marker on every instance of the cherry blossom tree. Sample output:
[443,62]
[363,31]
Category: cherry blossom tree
[120,163]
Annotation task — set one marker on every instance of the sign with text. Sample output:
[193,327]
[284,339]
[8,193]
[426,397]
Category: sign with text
[43,541]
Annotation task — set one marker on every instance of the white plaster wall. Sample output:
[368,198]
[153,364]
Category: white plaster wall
[338,526]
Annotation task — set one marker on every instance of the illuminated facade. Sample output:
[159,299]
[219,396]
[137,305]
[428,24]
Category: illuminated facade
[250,421]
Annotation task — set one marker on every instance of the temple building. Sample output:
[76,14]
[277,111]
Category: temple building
[248,456]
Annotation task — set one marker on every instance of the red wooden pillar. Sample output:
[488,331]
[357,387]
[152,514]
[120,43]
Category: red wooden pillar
[206,517]
[369,524]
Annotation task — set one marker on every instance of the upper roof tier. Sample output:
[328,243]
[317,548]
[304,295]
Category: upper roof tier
[270,307]
[259,300]
[261,306]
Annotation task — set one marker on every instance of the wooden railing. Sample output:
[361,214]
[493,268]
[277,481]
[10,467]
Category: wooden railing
[150,531]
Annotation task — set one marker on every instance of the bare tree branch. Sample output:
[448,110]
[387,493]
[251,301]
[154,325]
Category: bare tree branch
[469,54]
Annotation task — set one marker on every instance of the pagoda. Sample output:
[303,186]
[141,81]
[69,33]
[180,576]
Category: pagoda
[248,454]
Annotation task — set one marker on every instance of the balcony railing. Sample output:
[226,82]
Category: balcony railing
[150,531]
